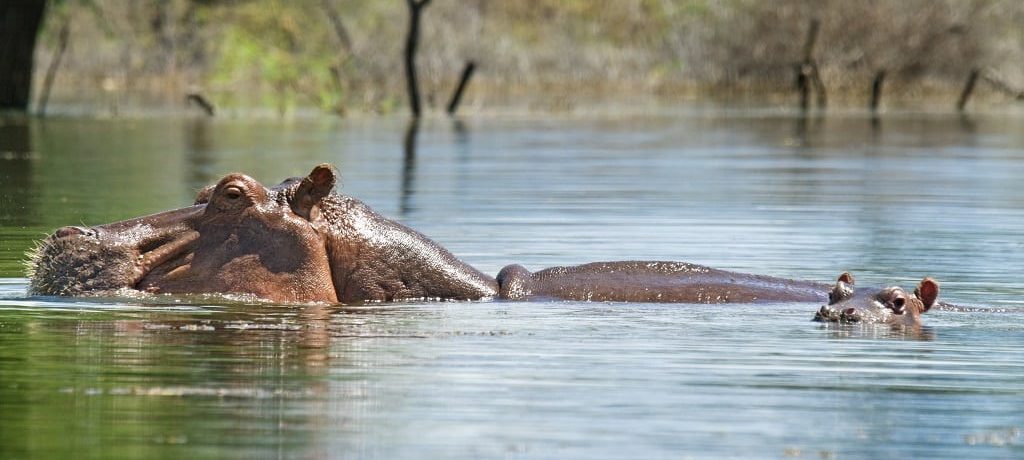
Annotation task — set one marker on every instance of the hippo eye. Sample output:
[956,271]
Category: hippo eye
[232,193]
[898,302]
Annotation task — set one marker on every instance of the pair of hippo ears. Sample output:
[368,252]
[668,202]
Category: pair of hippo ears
[927,290]
[306,195]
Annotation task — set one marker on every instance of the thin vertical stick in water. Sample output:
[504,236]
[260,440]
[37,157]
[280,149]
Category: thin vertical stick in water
[467,72]
[965,95]
[807,70]
[876,91]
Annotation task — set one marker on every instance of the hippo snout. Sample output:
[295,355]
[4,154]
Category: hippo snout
[838,315]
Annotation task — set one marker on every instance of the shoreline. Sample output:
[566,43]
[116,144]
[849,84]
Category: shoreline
[572,100]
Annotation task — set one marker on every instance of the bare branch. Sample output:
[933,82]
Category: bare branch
[339,27]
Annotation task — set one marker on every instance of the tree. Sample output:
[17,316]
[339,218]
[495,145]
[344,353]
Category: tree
[412,41]
[19,26]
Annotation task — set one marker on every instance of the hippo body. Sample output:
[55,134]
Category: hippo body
[301,242]
[653,281]
[378,259]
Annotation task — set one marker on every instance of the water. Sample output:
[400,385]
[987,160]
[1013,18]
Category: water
[755,191]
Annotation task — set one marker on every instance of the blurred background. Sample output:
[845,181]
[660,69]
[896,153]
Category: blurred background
[346,56]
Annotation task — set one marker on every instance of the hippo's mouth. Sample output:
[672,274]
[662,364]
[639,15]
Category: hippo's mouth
[94,261]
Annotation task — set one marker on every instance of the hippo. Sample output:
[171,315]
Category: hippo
[891,305]
[301,242]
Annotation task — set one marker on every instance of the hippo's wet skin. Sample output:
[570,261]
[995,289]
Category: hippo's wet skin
[300,242]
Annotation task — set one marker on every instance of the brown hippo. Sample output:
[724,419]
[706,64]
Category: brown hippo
[300,242]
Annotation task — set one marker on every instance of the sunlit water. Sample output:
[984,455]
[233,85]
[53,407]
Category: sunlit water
[762,192]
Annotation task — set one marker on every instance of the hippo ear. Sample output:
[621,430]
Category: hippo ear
[842,290]
[928,292]
[313,188]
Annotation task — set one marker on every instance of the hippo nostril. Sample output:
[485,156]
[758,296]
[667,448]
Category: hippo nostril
[65,232]
[851,315]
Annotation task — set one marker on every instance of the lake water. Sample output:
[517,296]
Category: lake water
[754,191]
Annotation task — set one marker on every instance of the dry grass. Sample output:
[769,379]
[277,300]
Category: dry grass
[286,54]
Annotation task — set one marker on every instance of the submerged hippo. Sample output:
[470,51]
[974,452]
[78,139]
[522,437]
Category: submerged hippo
[301,242]
[890,305]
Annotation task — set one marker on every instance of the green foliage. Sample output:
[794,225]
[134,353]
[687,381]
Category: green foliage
[282,43]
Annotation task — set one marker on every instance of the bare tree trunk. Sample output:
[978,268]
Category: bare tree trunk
[819,86]
[339,27]
[51,70]
[412,41]
[346,55]
[803,86]
[19,26]
[807,74]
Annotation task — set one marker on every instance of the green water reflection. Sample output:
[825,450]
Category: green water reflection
[144,388]
[80,171]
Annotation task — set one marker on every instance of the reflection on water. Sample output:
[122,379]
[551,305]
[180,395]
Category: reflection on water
[16,172]
[913,195]
[199,153]
[486,379]
[409,165]
[18,208]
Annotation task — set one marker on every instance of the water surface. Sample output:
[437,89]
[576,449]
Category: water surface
[755,191]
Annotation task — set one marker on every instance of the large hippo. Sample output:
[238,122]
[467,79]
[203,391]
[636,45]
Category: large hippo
[300,241]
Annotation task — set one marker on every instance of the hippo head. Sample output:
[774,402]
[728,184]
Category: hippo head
[238,237]
[890,305]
